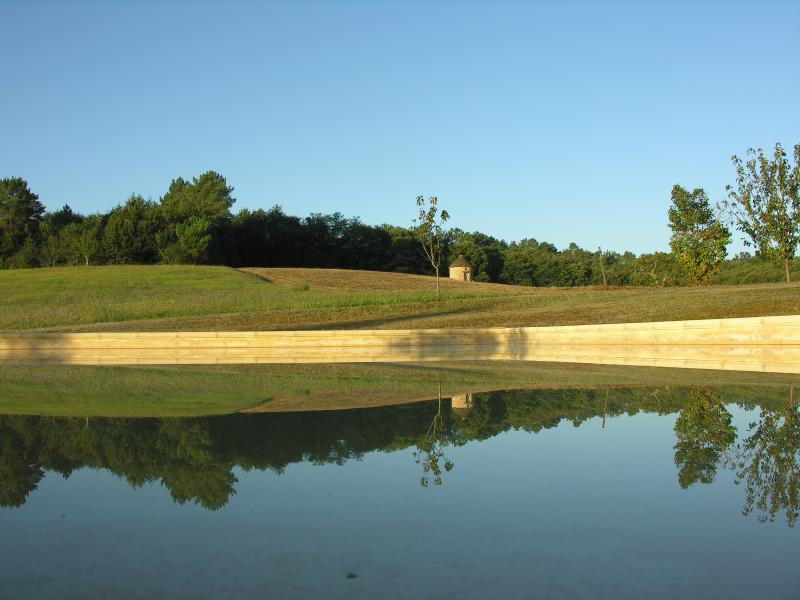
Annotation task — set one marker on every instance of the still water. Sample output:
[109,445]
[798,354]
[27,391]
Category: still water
[619,493]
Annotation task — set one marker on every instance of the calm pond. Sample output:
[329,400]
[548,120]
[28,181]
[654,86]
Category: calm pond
[617,493]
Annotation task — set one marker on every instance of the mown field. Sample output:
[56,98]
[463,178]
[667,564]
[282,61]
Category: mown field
[193,298]
[214,390]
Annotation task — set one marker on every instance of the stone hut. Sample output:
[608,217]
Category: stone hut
[461,269]
[463,403]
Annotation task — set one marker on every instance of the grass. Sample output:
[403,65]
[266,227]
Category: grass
[164,298]
[212,390]
[152,298]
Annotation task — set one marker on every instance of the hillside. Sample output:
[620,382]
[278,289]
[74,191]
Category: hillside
[173,297]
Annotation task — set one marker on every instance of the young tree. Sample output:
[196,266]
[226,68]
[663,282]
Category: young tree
[82,240]
[765,205]
[430,232]
[698,239]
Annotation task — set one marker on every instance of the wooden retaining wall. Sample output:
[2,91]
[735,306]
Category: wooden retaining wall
[769,344]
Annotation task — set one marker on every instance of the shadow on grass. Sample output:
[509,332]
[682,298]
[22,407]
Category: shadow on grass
[374,323]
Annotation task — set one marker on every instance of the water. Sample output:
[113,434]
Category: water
[661,492]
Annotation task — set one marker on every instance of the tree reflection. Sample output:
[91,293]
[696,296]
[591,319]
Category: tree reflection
[430,450]
[195,459]
[703,433]
[767,464]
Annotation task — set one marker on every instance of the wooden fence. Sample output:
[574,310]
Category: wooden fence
[769,344]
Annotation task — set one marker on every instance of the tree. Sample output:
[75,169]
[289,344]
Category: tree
[485,253]
[53,249]
[769,464]
[430,232]
[698,239]
[659,268]
[704,432]
[81,241]
[207,197]
[193,238]
[430,450]
[765,205]
[20,214]
[130,232]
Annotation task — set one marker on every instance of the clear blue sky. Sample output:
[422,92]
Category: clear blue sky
[559,121]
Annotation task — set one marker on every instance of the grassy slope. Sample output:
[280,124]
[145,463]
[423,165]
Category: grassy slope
[194,391]
[151,298]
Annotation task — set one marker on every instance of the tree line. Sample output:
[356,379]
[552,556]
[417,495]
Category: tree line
[192,223]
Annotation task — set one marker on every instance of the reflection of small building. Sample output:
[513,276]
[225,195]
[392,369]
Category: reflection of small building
[463,403]
[461,269]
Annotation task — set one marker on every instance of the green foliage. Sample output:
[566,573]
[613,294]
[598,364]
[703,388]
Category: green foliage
[193,236]
[81,241]
[699,239]
[194,458]
[485,253]
[768,463]
[430,232]
[20,215]
[131,231]
[207,197]
[744,269]
[703,432]
[659,268]
[534,263]
[27,256]
[765,205]
[192,223]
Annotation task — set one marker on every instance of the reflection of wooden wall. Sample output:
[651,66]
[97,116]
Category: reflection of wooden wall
[751,344]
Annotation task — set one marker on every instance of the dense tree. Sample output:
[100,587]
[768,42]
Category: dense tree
[206,197]
[185,207]
[82,240]
[765,204]
[192,223]
[405,255]
[534,263]
[699,239]
[20,215]
[193,237]
[131,232]
[485,253]
[659,268]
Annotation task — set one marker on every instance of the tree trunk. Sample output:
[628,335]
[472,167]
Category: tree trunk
[86,258]
[437,283]
[786,265]
[602,266]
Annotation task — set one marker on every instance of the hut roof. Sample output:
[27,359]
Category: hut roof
[461,262]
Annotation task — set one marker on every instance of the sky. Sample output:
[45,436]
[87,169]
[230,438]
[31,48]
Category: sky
[560,121]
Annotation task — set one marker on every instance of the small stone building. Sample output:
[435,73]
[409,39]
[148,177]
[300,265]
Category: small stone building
[461,269]
[463,403]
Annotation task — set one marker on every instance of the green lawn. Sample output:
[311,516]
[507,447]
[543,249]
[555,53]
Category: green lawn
[152,298]
[210,390]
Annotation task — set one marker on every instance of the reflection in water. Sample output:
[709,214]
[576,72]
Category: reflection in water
[703,432]
[430,451]
[195,458]
[767,463]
